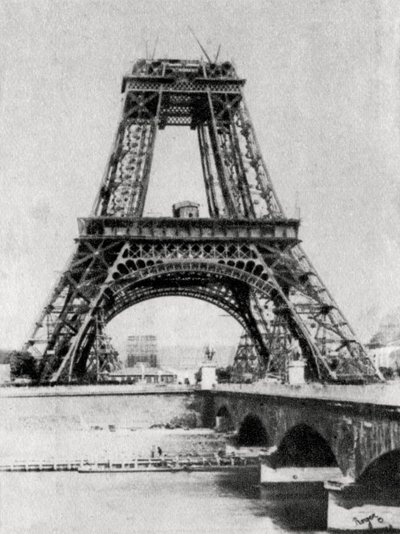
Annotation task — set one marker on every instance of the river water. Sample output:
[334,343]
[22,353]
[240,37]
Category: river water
[136,503]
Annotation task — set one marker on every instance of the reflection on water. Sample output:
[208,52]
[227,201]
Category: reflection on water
[297,512]
[288,512]
[60,503]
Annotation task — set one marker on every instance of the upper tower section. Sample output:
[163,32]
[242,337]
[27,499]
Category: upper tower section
[208,98]
[182,88]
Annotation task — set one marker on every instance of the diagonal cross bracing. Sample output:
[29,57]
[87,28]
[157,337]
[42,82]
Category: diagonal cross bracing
[245,257]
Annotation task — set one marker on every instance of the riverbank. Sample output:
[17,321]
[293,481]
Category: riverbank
[93,390]
[97,445]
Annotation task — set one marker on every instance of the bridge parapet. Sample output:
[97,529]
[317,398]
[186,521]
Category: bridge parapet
[387,395]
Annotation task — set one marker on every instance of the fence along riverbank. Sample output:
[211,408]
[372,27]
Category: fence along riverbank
[212,462]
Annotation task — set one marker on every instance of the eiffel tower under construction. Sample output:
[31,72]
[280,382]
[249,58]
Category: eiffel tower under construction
[245,257]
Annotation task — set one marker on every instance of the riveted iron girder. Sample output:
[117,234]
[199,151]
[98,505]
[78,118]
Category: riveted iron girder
[245,257]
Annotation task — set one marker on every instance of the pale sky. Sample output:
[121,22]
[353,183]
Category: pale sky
[323,91]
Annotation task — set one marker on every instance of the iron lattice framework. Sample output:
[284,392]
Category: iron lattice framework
[245,257]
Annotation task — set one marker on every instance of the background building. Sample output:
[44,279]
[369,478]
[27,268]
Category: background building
[384,345]
[142,374]
[142,349]
[386,356]
[191,356]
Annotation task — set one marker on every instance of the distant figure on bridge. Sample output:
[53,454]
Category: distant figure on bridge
[159,450]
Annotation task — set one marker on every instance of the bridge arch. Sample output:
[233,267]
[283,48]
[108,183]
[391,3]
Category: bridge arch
[303,446]
[252,432]
[383,472]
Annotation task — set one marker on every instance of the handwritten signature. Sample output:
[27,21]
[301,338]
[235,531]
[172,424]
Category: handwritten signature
[368,519]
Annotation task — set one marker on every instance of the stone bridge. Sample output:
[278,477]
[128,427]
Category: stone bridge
[312,431]
[354,427]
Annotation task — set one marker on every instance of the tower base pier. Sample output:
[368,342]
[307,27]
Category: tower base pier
[355,507]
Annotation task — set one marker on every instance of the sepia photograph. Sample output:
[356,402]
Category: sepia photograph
[199,266]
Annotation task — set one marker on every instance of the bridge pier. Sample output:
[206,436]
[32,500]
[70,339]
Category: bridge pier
[296,493]
[354,507]
[291,480]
